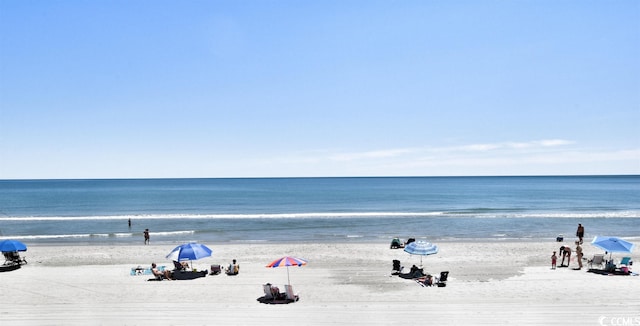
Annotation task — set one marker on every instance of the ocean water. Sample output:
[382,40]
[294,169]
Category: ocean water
[318,209]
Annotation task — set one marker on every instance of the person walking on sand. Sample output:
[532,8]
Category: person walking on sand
[579,254]
[554,259]
[146,236]
[580,232]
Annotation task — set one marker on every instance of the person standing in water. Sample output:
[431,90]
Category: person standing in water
[146,236]
[580,232]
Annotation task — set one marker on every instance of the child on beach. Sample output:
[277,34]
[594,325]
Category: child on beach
[554,259]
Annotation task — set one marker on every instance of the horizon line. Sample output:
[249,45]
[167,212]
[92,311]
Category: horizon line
[329,177]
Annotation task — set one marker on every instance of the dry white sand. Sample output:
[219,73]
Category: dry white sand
[348,284]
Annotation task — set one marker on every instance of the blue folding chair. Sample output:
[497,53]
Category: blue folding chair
[625,261]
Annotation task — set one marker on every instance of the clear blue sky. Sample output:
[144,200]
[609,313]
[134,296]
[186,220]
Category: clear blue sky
[139,89]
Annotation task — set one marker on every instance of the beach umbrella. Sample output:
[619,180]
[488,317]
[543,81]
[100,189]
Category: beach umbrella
[612,244]
[421,248]
[189,251]
[287,261]
[12,246]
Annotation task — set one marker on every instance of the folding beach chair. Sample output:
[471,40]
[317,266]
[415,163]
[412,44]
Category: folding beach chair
[397,269]
[626,261]
[289,292]
[597,260]
[442,280]
[267,291]
[215,270]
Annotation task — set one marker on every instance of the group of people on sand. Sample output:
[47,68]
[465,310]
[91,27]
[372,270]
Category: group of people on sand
[233,269]
[565,251]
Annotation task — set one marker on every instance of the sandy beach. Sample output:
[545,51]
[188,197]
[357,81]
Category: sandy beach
[489,283]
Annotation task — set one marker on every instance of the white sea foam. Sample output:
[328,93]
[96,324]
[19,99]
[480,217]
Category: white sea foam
[172,233]
[218,216]
[92,235]
[47,236]
[483,214]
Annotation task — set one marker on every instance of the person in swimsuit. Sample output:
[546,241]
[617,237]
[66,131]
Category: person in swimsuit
[566,253]
[157,273]
[580,233]
[579,254]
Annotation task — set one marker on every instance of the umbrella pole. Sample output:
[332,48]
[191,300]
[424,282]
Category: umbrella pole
[288,280]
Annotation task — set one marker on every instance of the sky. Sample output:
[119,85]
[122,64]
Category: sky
[206,89]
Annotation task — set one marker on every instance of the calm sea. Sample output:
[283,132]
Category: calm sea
[318,209]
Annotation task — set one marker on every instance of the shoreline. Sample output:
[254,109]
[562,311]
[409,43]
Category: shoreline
[353,240]
[489,283]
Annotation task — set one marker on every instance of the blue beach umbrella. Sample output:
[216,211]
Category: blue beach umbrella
[613,244]
[421,248]
[189,251]
[12,246]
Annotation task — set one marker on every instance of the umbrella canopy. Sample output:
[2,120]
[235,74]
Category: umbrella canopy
[12,246]
[613,244]
[287,261]
[189,251]
[421,248]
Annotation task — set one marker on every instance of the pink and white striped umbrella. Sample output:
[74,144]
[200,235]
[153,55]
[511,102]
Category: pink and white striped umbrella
[287,261]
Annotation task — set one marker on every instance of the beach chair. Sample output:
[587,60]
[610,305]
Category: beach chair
[215,270]
[159,276]
[597,260]
[397,269]
[395,243]
[442,280]
[289,292]
[268,295]
[626,261]
[13,258]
